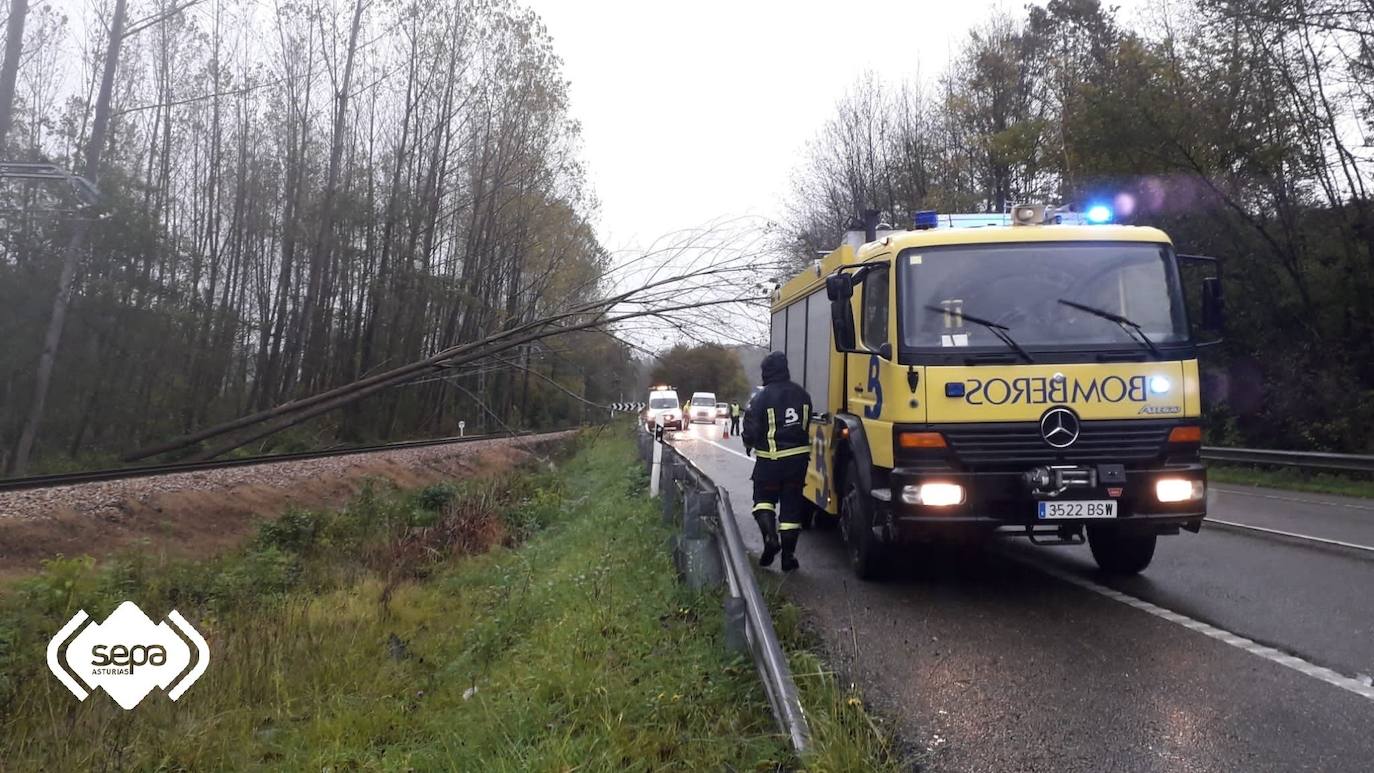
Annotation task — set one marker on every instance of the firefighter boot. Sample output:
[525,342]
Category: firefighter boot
[789,549]
[768,527]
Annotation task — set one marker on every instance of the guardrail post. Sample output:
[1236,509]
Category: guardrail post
[667,487]
[696,507]
[697,554]
[736,637]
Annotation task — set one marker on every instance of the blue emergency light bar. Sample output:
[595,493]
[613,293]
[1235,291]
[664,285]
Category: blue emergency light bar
[927,219]
[1099,213]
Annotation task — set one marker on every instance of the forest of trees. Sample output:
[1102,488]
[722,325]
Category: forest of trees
[296,195]
[293,196]
[703,368]
[1244,128]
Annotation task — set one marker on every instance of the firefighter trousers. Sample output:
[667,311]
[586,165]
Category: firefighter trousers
[783,498]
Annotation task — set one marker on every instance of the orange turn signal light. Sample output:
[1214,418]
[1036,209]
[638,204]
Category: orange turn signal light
[921,440]
[1188,433]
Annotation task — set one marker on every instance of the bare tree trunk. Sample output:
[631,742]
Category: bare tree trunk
[312,317]
[9,69]
[53,339]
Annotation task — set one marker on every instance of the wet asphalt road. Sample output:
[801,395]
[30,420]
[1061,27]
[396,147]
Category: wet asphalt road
[987,661]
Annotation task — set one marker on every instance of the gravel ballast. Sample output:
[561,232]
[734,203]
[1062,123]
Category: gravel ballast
[207,510]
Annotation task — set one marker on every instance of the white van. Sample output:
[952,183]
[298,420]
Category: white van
[703,407]
[664,409]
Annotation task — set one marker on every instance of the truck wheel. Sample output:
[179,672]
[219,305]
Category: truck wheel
[866,553]
[1118,552]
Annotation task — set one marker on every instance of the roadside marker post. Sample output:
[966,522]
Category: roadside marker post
[658,461]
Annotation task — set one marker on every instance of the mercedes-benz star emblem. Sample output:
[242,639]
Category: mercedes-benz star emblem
[1059,427]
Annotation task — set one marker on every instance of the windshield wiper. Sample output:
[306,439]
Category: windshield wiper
[1133,330]
[996,329]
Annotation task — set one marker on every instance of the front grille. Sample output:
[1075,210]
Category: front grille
[1019,444]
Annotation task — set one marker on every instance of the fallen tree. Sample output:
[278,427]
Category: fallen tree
[654,296]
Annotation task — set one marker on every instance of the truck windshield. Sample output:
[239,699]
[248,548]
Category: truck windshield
[660,403]
[704,398]
[1020,286]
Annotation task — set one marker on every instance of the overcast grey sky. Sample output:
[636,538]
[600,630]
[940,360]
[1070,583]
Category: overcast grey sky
[697,111]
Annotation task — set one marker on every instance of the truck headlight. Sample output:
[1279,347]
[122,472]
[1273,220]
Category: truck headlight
[934,494]
[1179,490]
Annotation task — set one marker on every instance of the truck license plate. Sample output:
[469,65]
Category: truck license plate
[1090,508]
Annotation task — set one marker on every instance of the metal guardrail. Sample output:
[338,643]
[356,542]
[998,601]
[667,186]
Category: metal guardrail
[1311,460]
[761,638]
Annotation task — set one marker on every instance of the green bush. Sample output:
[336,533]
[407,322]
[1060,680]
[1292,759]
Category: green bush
[435,497]
[256,576]
[537,510]
[294,531]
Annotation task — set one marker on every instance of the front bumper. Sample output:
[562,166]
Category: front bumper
[1002,499]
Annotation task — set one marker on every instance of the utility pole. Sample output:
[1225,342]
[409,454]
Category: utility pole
[9,69]
[53,339]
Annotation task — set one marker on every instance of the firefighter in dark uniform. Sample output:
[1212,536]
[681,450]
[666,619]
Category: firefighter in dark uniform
[775,430]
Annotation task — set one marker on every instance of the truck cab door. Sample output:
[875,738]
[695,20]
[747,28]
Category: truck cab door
[871,373]
[820,474]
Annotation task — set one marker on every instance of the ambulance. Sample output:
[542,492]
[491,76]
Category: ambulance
[1033,374]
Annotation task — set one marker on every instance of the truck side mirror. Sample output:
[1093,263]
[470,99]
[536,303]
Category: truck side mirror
[839,288]
[1213,304]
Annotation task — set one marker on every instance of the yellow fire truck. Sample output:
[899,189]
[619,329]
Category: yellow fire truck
[1033,373]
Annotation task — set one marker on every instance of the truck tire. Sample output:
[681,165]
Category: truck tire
[1120,552]
[866,554]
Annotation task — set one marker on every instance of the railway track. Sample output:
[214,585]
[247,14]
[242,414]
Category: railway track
[144,471]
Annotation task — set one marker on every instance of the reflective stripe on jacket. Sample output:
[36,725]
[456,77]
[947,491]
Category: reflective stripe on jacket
[777,421]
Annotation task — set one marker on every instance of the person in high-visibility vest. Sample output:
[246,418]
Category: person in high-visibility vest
[734,418]
[775,431]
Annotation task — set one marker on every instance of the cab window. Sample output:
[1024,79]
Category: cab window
[875,308]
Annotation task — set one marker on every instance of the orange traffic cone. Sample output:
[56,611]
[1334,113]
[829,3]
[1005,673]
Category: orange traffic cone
[727,430]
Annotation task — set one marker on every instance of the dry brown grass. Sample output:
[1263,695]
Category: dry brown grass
[467,526]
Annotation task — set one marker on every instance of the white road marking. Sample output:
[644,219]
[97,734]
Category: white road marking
[1294,535]
[1357,686]
[740,454]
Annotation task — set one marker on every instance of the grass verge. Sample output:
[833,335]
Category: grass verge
[527,623]
[1292,480]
